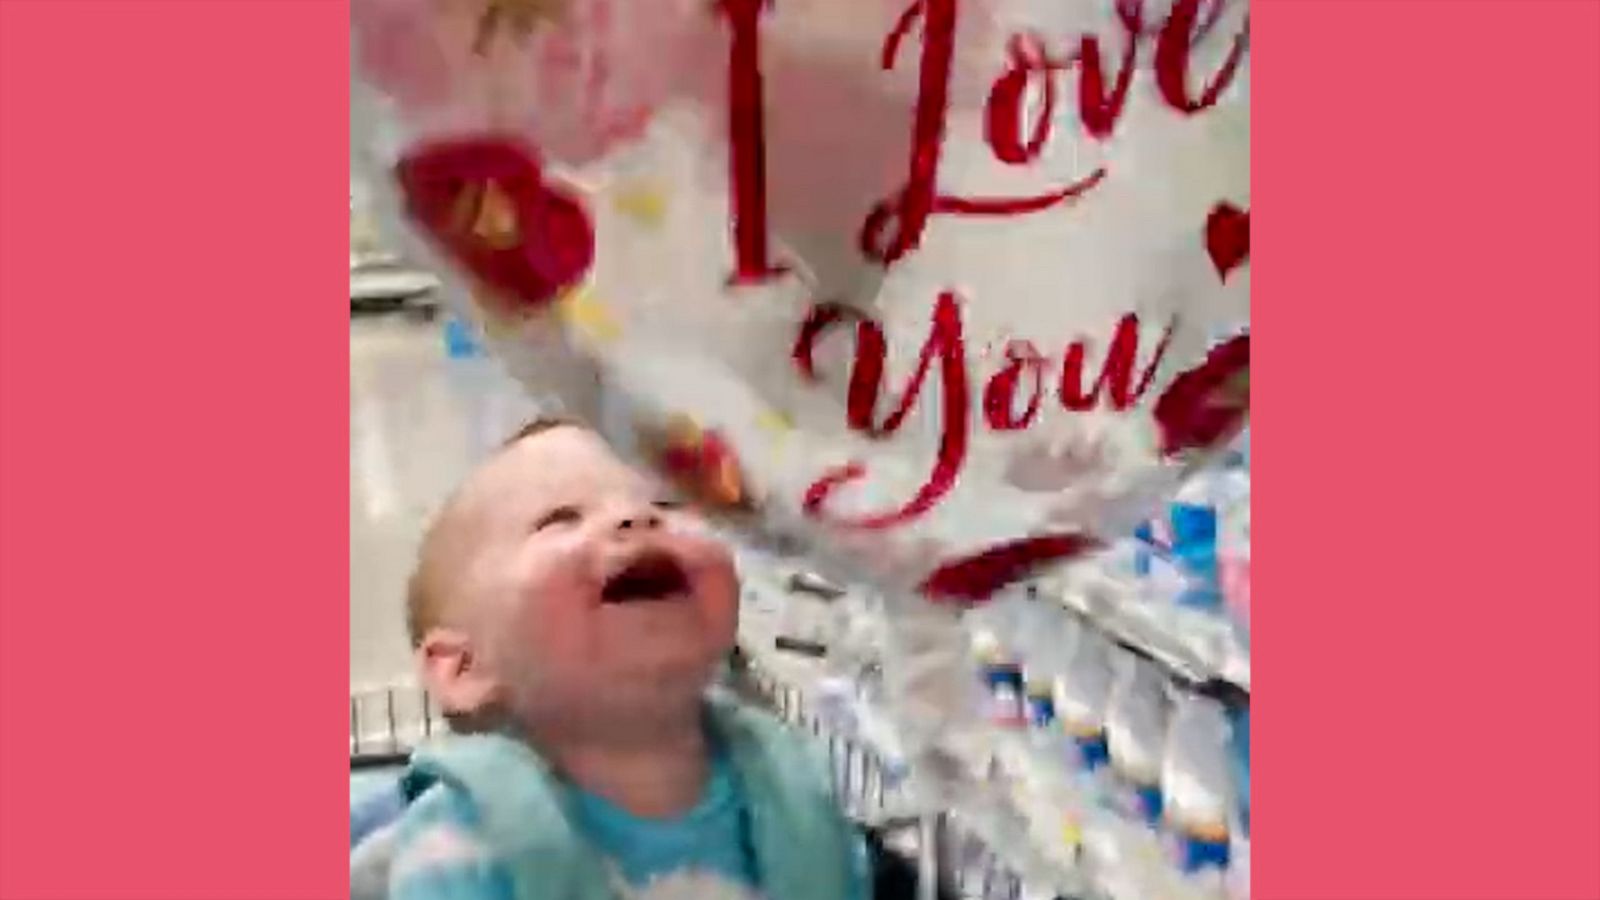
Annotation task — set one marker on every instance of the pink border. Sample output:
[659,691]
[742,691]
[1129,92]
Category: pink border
[173,477]
[172,500]
[1427,308]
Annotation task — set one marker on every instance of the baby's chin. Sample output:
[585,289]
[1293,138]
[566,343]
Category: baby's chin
[680,659]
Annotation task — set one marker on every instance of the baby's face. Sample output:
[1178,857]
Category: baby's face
[585,587]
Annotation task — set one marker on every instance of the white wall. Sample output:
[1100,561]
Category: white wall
[418,423]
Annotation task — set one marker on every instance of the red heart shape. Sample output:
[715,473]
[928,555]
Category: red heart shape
[1228,237]
[484,200]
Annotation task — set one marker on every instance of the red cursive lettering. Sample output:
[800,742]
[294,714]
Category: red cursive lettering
[747,142]
[910,207]
[1000,394]
[866,385]
[1019,378]
[1002,125]
[1098,109]
[821,317]
[895,225]
[1116,373]
[1100,106]
[1173,47]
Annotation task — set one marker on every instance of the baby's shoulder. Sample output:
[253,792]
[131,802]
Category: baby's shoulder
[773,758]
[740,720]
[430,846]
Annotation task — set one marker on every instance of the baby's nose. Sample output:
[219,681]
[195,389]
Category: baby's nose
[639,520]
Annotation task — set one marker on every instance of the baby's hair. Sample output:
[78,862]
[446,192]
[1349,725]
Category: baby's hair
[539,426]
[426,590]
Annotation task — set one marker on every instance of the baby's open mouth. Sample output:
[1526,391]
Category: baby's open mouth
[653,576]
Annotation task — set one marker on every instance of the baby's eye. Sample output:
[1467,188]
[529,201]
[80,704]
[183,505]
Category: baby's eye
[561,515]
[669,504]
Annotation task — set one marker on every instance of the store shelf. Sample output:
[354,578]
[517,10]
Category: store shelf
[386,283]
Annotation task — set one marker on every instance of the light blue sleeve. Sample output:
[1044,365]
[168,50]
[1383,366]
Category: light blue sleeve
[376,801]
[440,853]
[860,869]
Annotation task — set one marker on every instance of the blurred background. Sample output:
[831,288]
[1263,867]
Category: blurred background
[425,403]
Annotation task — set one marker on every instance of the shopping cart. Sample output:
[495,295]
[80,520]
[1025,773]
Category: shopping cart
[946,854]
[948,861]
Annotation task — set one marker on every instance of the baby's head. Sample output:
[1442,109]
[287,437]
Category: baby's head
[558,589]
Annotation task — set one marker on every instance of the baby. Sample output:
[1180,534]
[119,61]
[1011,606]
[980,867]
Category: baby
[569,620]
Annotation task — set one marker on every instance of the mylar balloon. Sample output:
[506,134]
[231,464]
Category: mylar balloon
[938,290]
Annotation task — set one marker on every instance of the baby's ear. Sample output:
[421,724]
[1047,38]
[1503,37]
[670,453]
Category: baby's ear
[453,675]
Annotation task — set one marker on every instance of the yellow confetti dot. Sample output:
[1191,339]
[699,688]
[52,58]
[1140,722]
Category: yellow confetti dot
[643,202]
[581,310]
[775,423]
[1071,834]
[682,430]
[499,328]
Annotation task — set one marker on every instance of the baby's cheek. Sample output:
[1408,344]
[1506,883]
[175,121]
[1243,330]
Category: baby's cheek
[718,589]
[566,655]
[551,623]
[556,663]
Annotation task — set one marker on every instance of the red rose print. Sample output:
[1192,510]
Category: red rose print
[703,463]
[484,200]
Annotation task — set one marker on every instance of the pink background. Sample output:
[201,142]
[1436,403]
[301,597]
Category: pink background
[174,568]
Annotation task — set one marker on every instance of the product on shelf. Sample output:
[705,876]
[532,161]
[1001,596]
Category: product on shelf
[1081,698]
[1100,743]
[1136,725]
[1196,782]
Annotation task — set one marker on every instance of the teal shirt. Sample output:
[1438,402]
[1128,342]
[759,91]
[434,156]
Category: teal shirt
[710,842]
